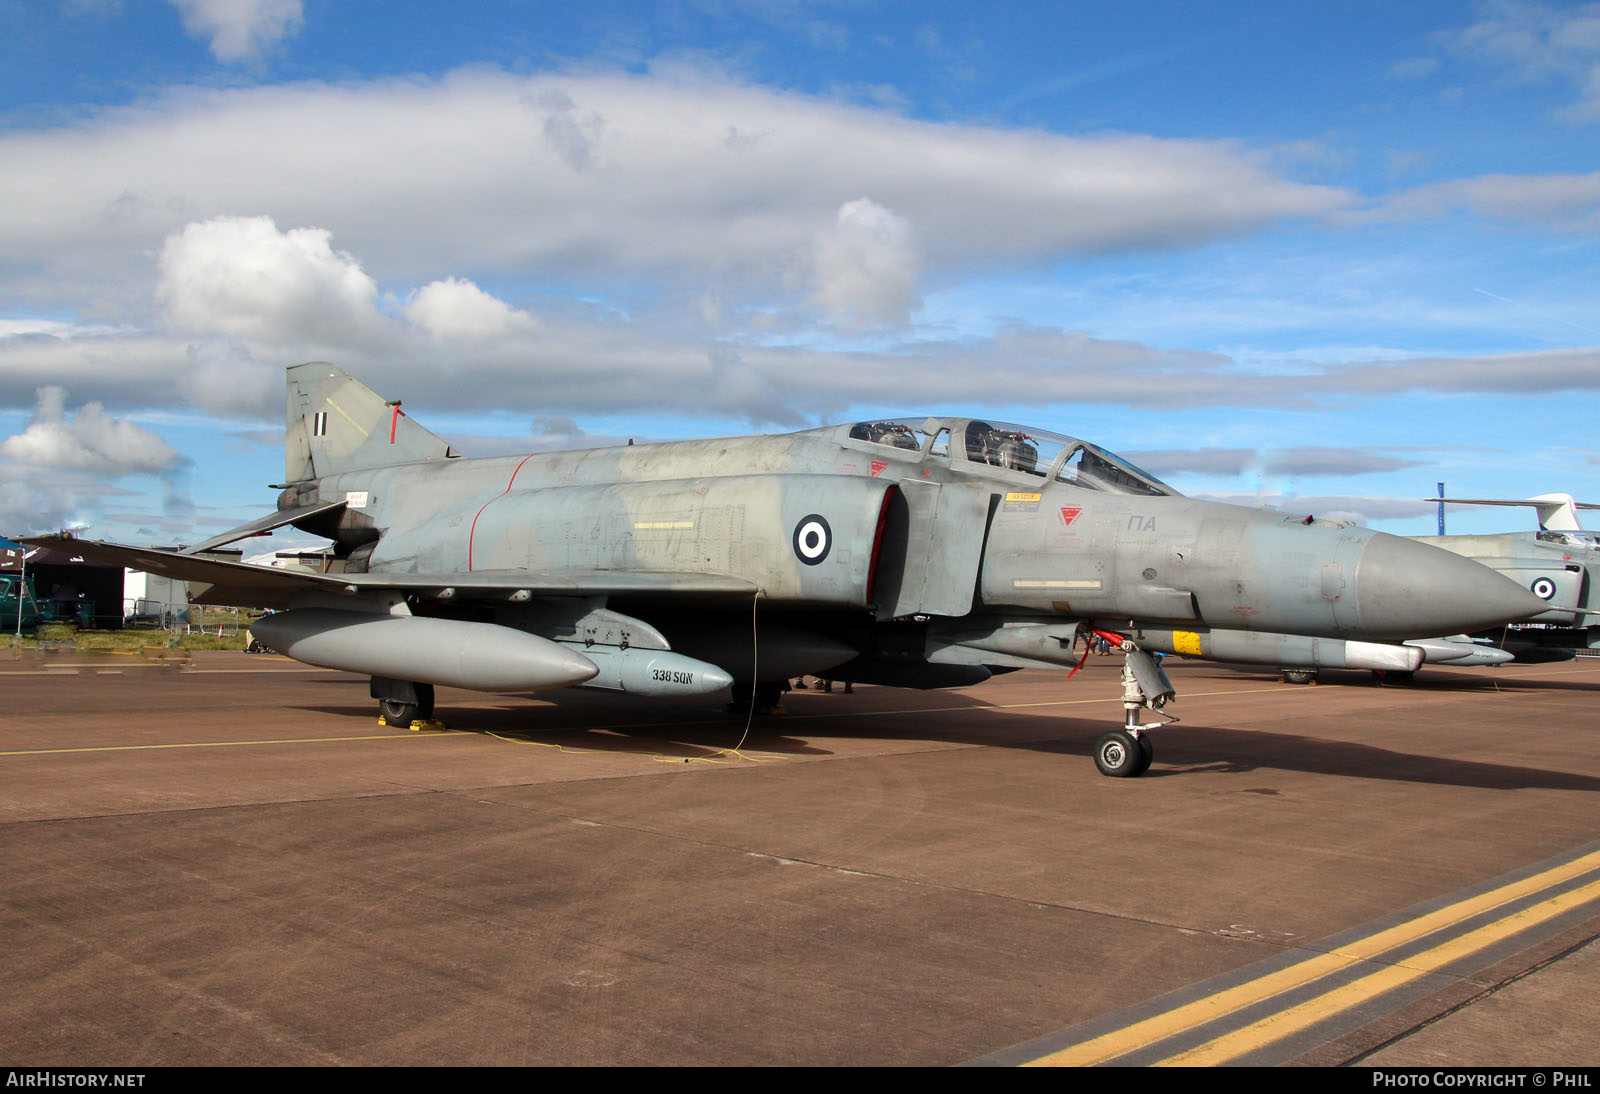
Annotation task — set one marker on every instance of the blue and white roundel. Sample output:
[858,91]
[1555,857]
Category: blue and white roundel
[812,539]
[1543,588]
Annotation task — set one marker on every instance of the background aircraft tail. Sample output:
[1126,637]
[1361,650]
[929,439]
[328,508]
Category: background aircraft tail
[335,423]
[1557,512]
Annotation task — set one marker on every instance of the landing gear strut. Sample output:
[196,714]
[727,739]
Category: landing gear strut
[1127,752]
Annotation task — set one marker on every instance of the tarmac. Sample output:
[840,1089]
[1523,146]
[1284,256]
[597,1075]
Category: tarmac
[229,860]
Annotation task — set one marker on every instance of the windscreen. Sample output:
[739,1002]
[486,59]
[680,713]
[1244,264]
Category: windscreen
[1094,468]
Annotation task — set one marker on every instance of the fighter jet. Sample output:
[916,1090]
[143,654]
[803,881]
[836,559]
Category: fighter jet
[1559,564]
[921,552]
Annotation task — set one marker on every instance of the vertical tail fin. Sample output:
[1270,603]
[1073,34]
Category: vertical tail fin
[336,423]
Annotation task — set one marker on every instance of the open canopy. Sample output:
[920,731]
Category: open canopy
[1038,453]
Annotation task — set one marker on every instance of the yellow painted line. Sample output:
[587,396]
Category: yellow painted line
[242,672]
[1191,1015]
[75,670]
[624,726]
[410,735]
[1276,1027]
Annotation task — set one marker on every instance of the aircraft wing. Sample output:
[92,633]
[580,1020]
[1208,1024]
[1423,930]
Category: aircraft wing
[235,583]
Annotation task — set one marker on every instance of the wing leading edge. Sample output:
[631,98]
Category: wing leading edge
[236,583]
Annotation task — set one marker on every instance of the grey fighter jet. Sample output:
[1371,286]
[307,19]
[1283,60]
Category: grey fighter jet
[922,553]
[1559,564]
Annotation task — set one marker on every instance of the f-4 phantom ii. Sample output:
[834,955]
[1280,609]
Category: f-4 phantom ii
[1559,564]
[921,553]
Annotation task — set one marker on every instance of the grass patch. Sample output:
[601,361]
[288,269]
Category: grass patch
[59,634]
[211,641]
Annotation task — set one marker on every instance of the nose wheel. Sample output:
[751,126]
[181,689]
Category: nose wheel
[1123,755]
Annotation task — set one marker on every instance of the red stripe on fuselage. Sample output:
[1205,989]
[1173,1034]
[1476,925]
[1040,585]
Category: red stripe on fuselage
[473,530]
[877,540]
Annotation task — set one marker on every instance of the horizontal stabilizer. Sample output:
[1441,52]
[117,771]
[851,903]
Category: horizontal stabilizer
[1557,512]
[262,525]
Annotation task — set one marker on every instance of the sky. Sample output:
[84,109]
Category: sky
[1319,257]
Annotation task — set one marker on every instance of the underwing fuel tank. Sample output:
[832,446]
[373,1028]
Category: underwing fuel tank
[1461,651]
[652,672]
[448,652]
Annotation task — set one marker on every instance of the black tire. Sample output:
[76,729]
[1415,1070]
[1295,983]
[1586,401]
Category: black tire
[1299,676]
[1147,753]
[397,713]
[1118,755]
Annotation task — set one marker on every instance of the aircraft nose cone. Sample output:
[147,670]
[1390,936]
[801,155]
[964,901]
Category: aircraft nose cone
[1407,589]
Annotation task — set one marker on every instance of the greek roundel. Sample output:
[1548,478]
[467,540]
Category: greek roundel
[812,539]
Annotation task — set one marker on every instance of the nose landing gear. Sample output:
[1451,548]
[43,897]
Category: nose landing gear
[1127,752]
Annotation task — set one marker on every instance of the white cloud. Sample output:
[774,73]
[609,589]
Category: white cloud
[568,177]
[240,30]
[1537,42]
[576,364]
[1568,201]
[240,276]
[35,501]
[1414,68]
[456,308]
[91,440]
[570,133]
[224,378]
[866,265]
[1305,460]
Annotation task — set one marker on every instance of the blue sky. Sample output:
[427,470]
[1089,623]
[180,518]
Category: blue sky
[1319,256]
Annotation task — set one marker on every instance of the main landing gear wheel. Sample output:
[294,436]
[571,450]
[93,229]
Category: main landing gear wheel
[1299,676]
[1121,755]
[397,712]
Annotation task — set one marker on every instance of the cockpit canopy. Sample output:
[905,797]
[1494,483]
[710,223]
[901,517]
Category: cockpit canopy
[1036,453]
